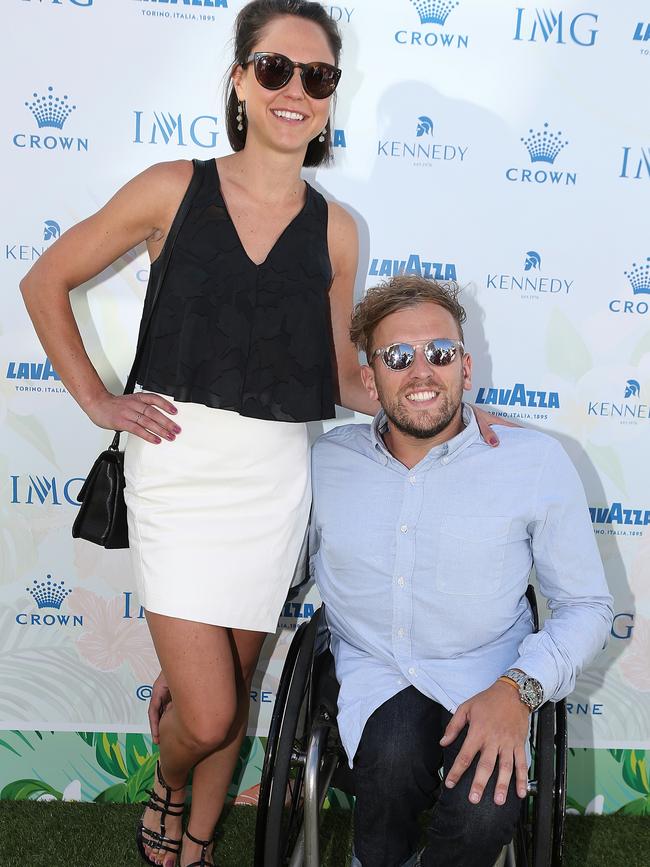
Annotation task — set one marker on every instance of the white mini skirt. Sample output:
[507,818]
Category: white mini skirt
[217,517]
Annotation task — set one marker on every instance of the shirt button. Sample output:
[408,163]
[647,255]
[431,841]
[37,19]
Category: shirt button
[404,528]
[412,479]
[399,681]
[401,581]
[411,670]
[400,633]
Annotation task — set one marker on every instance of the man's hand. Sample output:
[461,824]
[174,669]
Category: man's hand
[498,728]
[160,699]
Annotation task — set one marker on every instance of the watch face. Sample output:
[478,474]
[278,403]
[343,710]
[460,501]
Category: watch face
[531,693]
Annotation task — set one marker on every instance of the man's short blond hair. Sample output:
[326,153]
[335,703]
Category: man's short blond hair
[399,293]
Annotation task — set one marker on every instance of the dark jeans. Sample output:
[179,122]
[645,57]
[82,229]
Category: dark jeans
[396,778]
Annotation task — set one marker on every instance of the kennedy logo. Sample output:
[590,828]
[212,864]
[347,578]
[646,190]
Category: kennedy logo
[543,146]
[50,111]
[414,264]
[530,283]
[421,150]
[340,14]
[49,594]
[45,490]
[630,410]
[30,252]
[559,27]
[166,128]
[182,10]
[638,278]
[433,12]
[518,396]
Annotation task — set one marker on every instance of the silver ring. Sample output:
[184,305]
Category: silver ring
[138,417]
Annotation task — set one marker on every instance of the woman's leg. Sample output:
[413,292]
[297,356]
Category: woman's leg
[213,774]
[197,660]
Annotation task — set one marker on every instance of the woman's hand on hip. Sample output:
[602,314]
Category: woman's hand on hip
[141,414]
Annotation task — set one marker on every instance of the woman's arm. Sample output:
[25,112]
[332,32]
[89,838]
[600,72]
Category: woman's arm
[343,243]
[142,210]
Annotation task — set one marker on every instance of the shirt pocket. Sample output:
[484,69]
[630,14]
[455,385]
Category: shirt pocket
[471,553]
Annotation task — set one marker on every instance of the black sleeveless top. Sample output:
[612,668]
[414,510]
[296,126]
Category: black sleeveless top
[234,335]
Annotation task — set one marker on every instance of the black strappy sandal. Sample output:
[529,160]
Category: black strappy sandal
[158,840]
[204,848]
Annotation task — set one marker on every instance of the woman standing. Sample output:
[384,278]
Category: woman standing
[248,342]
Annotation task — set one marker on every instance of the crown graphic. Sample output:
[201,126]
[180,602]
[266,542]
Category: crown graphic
[533,260]
[632,388]
[434,11]
[639,277]
[50,110]
[425,126]
[48,594]
[543,146]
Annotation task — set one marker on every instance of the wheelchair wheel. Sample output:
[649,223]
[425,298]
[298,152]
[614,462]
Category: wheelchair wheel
[543,813]
[281,799]
[559,806]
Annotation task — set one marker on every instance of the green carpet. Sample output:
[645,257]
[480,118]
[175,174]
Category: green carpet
[86,835]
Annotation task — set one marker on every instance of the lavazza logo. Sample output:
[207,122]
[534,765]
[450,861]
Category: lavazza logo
[529,283]
[413,264]
[35,376]
[432,13]
[201,11]
[543,147]
[49,596]
[50,112]
[23,251]
[422,150]
[638,278]
[617,519]
[629,411]
[550,26]
[642,35]
[516,401]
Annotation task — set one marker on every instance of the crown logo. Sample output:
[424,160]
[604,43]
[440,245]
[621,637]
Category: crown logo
[48,594]
[632,388]
[639,277]
[543,146]
[533,260]
[424,127]
[434,11]
[50,110]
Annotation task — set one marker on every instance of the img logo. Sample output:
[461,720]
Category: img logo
[636,163]
[629,410]
[530,283]
[44,490]
[79,3]
[639,279]
[517,398]
[547,26]
[24,252]
[543,146]
[413,265]
[167,128]
[49,595]
[50,112]
[432,12]
[421,150]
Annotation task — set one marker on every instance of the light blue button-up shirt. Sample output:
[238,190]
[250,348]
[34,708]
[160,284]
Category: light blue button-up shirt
[423,571]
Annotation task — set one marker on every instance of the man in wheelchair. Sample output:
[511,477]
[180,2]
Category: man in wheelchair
[423,538]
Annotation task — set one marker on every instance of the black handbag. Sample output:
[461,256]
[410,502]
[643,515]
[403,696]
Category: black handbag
[102,515]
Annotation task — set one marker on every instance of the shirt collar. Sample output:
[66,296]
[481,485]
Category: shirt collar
[448,450]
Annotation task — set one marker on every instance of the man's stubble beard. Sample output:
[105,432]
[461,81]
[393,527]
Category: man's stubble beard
[448,404]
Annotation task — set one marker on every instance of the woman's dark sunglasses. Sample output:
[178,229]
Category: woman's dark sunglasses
[439,352]
[273,71]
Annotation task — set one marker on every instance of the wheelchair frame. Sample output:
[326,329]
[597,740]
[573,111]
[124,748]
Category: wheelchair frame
[304,758]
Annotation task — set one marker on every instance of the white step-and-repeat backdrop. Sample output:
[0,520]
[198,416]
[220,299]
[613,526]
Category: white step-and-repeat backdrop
[505,144]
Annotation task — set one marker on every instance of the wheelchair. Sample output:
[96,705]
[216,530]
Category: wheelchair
[304,758]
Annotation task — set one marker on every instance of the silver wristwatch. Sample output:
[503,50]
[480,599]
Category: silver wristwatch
[531,691]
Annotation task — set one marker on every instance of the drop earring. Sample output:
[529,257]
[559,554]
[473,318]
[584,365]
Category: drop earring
[241,114]
[321,137]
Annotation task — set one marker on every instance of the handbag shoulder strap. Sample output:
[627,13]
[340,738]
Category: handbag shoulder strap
[165,256]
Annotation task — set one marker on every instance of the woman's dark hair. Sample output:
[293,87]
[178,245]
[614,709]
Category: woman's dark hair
[249,26]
